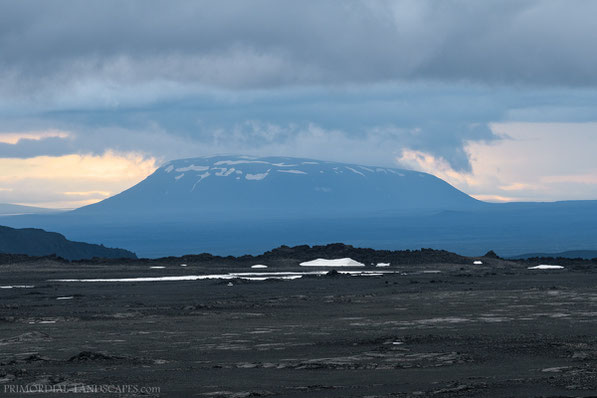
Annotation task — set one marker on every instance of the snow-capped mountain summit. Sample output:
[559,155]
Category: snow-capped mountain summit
[245,187]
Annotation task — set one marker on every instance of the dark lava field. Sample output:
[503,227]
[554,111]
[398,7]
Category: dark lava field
[436,325]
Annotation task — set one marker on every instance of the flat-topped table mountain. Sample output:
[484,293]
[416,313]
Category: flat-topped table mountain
[240,187]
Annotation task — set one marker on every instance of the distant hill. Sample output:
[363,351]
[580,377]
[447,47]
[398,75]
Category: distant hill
[37,242]
[586,254]
[8,209]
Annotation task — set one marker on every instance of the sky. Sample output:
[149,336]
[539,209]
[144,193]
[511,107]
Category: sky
[499,98]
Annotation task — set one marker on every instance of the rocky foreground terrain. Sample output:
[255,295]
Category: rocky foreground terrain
[435,324]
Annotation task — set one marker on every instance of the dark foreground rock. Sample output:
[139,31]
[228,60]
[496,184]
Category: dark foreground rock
[438,329]
[281,256]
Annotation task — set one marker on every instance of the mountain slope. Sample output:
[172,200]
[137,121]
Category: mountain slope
[37,242]
[236,187]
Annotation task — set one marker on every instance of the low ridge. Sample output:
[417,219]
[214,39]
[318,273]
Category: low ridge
[37,242]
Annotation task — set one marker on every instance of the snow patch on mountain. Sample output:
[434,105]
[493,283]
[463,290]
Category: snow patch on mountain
[234,162]
[201,178]
[192,168]
[224,172]
[355,171]
[292,171]
[398,173]
[258,176]
[283,165]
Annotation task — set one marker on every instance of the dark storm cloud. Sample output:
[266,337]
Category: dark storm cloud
[25,148]
[264,44]
[357,81]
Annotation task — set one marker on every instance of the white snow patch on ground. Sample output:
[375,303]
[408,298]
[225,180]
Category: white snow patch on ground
[310,163]
[238,171]
[555,369]
[178,177]
[355,171]
[367,274]
[379,170]
[258,266]
[154,279]
[157,267]
[183,265]
[340,262]
[17,287]
[546,266]
[258,176]
[264,278]
[169,168]
[383,265]
[367,169]
[192,168]
[477,262]
[292,171]
[432,271]
[65,298]
[233,275]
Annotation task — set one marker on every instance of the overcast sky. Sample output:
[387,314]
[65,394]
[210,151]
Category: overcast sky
[499,98]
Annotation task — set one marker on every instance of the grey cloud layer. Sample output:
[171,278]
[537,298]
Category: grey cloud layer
[342,80]
[53,146]
[369,125]
[264,44]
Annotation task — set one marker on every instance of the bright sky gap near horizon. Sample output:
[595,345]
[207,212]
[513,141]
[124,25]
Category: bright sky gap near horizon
[499,98]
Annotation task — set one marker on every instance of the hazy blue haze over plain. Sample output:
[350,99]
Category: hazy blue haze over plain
[238,205]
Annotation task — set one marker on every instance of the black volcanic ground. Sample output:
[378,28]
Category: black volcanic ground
[490,330]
